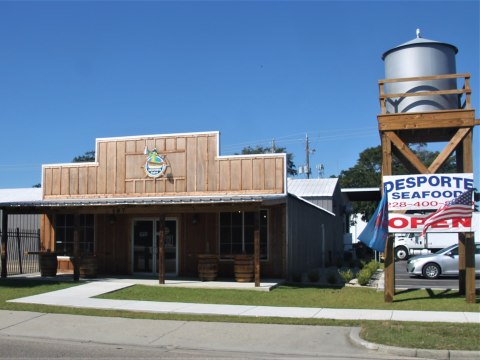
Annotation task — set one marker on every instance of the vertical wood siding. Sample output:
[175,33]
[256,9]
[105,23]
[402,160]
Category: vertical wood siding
[194,169]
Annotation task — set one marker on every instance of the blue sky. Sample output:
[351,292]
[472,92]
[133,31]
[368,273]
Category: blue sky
[73,71]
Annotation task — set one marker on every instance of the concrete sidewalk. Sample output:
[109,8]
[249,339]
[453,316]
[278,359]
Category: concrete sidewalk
[82,297]
[206,340]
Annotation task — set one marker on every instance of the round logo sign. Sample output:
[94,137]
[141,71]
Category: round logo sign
[156,164]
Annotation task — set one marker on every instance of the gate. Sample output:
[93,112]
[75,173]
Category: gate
[20,243]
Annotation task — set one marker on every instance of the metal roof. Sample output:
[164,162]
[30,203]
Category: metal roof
[418,41]
[312,187]
[25,194]
[136,201]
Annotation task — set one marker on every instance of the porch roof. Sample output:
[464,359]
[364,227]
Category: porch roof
[39,204]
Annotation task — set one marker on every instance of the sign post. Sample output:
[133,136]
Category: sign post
[389,271]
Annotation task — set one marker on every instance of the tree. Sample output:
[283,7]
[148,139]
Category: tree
[266,150]
[87,157]
[367,172]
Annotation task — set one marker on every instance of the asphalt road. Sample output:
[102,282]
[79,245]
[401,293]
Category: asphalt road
[48,336]
[404,281]
[28,348]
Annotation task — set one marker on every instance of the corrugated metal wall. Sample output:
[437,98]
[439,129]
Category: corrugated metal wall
[313,237]
[325,202]
[23,222]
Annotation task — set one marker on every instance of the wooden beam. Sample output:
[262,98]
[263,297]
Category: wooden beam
[470,268]
[256,248]
[407,153]
[422,93]
[161,250]
[389,271]
[398,154]
[461,263]
[427,120]
[386,155]
[447,151]
[431,77]
[467,153]
[381,87]
[4,243]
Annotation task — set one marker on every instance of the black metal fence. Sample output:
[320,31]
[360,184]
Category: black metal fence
[20,243]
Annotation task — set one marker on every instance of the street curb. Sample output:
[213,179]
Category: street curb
[420,353]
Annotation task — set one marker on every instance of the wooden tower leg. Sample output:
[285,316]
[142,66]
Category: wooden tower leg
[461,263]
[470,269]
[389,289]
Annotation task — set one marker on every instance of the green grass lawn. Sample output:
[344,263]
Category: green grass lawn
[405,334]
[303,296]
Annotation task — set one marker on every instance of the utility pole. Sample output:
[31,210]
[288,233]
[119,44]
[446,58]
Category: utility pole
[307,156]
[274,148]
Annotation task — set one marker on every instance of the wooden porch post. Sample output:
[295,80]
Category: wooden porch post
[4,242]
[161,250]
[76,247]
[256,247]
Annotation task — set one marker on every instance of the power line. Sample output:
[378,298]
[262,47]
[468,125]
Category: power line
[334,134]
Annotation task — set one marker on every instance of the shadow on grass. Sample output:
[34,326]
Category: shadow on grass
[444,294]
[295,285]
[28,283]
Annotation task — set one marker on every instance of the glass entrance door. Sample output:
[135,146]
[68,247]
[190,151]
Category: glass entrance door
[146,244]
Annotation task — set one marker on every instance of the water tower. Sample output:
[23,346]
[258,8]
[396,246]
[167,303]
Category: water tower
[424,100]
[419,58]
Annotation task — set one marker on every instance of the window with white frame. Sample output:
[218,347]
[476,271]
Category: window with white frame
[64,226]
[237,233]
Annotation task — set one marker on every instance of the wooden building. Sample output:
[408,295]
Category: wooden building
[334,218]
[154,204]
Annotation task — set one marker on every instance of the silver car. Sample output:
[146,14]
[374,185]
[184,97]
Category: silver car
[443,262]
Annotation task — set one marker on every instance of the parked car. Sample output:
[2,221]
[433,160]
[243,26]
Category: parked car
[442,263]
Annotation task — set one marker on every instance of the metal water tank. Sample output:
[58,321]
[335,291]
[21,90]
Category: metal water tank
[416,58]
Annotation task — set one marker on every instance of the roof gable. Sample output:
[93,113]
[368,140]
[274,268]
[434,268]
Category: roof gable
[312,187]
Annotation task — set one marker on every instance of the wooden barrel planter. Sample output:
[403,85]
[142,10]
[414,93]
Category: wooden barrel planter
[48,263]
[88,266]
[207,267]
[244,268]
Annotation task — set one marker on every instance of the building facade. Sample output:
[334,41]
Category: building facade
[155,204]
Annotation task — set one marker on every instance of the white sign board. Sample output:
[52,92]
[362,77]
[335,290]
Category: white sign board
[424,191]
[405,223]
